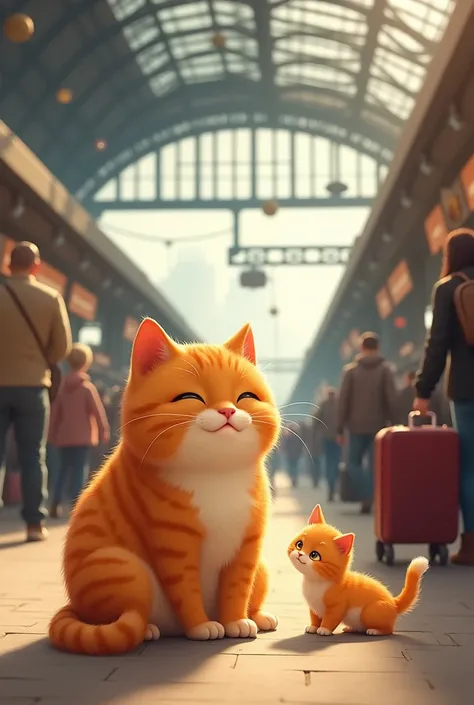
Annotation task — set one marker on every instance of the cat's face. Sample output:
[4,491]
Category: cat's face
[320,551]
[201,408]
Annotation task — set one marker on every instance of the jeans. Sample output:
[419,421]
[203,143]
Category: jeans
[73,466]
[332,457]
[27,409]
[361,446]
[463,418]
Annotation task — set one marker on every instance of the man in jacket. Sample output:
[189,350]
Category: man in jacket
[25,375]
[367,403]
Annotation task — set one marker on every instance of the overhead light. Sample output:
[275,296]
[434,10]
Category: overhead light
[119,291]
[18,209]
[426,167]
[405,201]
[454,120]
[106,284]
[373,265]
[59,240]
[356,295]
[386,237]
[84,265]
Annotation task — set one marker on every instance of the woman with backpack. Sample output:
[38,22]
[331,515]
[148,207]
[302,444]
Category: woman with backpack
[451,339]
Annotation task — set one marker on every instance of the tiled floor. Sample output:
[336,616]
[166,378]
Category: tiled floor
[428,662]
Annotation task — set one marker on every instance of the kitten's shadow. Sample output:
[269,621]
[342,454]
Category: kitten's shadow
[309,643]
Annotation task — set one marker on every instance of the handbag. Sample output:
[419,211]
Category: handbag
[52,367]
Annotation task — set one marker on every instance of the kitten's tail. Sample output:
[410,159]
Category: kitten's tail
[68,633]
[408,597]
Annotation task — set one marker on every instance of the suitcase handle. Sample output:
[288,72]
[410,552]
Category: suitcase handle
[413,414]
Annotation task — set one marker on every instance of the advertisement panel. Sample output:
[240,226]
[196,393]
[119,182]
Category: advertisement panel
[399,283]
[82,302]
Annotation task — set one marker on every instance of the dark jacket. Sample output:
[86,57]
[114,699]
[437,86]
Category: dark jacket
[367,399]
[328,416]
[446,343]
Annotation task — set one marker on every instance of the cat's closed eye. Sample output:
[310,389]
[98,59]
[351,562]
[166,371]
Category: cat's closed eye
[315,556]
[299,545]
[189,395]
[247,395]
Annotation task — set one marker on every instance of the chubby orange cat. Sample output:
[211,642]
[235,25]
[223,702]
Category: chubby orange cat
[167,538]
[335,594]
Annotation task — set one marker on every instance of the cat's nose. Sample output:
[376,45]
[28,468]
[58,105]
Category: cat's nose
[227,412]
[299,554]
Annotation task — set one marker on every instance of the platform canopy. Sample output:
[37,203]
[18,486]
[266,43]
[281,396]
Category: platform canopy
[98,76]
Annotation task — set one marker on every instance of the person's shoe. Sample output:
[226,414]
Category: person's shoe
[465,555]
[55,511]
[366,506]
[36,532]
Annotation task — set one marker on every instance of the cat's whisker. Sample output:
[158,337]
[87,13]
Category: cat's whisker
[309,416]
[193,367]
[189,372]
[151,416]
[170,428]
[286,428]
[297,403]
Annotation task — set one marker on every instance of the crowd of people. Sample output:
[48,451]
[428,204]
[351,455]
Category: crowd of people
[61,430]
[342,434]
[54,427]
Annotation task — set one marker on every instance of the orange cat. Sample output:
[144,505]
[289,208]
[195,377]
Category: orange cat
[167,537]
[336,594]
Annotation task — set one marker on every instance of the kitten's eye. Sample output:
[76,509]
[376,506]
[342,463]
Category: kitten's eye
[248,395]
[299,545]
[189,395]
[315,556]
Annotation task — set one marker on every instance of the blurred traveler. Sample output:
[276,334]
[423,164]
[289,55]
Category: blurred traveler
[367,403]
[36,335]
[451,340]
[331,450]
[291,447]
[405,398]
[78,423]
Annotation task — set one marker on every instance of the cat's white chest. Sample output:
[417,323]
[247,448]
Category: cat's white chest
[314,592]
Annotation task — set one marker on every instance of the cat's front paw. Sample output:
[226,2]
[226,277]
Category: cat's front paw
[152,633]
[206,631]
[265,621]
[322,631]
[241,629]
[311,629]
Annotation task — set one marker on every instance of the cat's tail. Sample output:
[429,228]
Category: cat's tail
[68,633]
[408,597]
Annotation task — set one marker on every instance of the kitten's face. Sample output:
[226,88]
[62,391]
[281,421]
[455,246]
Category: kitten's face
[203,408]
[320,551]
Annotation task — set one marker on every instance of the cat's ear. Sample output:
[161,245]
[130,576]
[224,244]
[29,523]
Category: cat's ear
[151,347]
[345,543]
[317,516]
[243,343]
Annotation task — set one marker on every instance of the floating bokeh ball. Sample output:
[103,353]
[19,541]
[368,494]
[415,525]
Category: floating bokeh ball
[218,40]
[270,207]
[18,28]
[273,311]
[100,145]
[64,96]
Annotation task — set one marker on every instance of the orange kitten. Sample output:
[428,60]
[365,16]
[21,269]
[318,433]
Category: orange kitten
[167,538]
[336,594]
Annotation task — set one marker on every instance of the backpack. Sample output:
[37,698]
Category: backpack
[464,305]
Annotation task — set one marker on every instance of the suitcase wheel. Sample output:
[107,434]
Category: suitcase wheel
[440,551]
[385,550]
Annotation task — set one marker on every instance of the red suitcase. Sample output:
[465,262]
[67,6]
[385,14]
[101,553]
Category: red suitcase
[416,488]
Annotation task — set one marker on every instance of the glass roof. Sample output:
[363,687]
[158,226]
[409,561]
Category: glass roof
[365,56]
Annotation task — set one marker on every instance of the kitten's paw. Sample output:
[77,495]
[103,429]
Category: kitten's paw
[152,633]
[206,631]
[322,631]
[311,629]
[265,621]
[376,632]
[241,629]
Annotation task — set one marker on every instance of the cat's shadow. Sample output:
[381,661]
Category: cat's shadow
[36,670]
[308,643]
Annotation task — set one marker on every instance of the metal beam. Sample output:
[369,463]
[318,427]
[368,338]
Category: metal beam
[262,17]
[231,204]
[375,20]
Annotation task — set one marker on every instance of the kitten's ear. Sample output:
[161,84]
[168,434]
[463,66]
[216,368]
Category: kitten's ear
[345,543]
[151,347]
[317,516]
[243,343]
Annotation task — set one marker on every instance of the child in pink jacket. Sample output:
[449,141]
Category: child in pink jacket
[78,423]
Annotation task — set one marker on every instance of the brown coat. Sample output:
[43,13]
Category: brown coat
[368,397]
[21,362]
